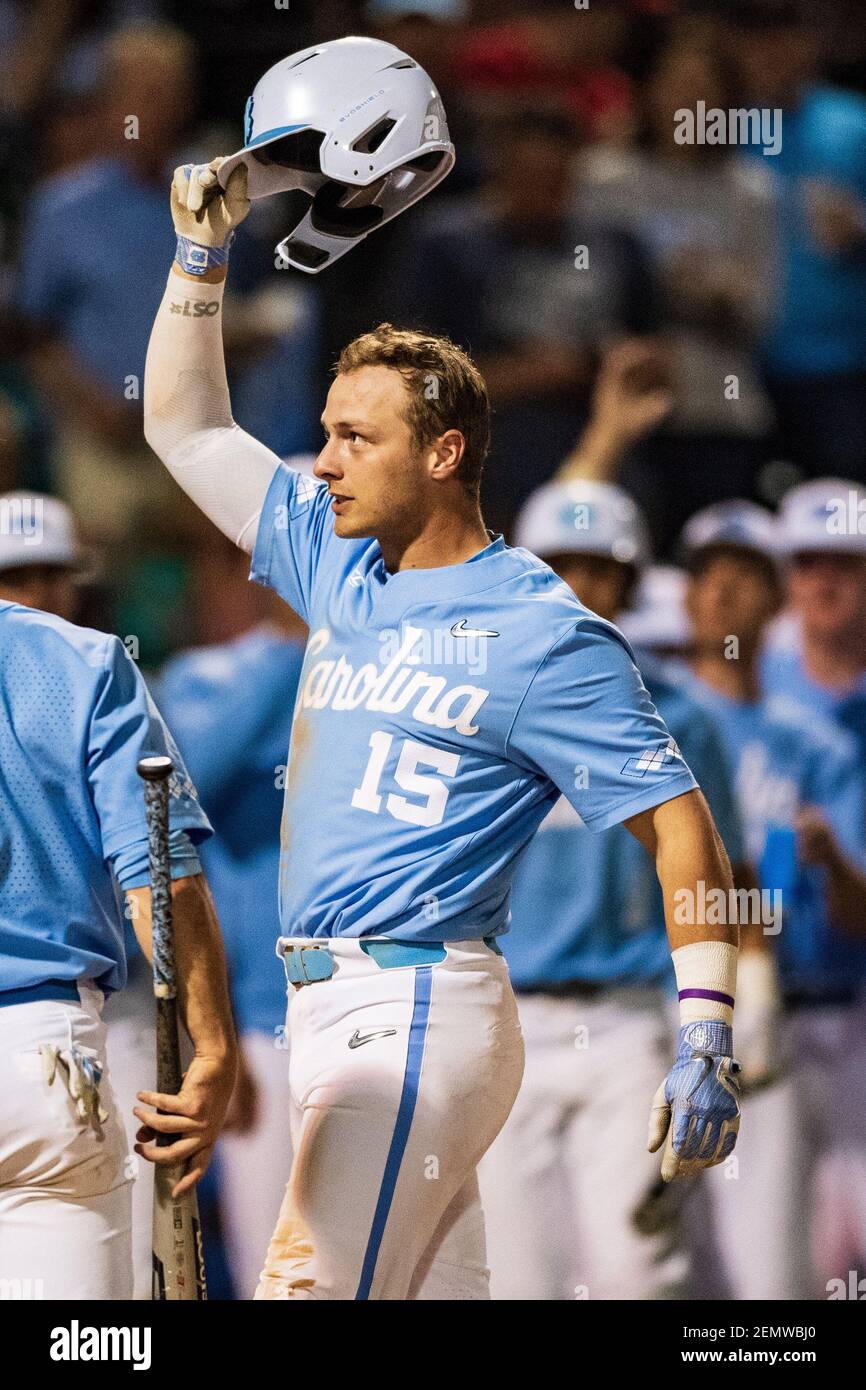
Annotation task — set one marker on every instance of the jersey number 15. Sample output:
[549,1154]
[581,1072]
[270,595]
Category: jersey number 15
[434,791]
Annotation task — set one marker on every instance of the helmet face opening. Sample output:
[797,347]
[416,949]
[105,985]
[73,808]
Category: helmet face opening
[300,150]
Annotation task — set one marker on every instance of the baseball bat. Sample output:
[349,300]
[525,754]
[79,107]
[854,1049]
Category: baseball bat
[178,1257]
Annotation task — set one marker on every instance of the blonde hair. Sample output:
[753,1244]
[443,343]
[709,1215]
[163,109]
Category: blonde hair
[446,390]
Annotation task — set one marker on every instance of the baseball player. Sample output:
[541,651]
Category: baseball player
[74,720]
[41,556]
[821,663]
[451,689]
[42,562]
[230,709]
[800,791]
[565,1180]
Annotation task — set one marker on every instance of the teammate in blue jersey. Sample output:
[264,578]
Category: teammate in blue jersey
[230,709]
[588,957]
[75,717]
[451,690]
[819,660]
[800,791]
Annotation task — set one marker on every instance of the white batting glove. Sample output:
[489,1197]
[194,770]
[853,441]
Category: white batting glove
[205,215]
[695,1111]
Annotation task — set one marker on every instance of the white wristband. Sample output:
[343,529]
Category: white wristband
[706,974]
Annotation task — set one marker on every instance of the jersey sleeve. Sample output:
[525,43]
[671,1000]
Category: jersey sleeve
[295,538]
[588,724]
[125,725]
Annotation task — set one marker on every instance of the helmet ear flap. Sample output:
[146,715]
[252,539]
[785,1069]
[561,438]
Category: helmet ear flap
[330,214]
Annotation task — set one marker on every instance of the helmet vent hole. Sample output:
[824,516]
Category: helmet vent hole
[312,257]
[403,63]
[301,61]
[375,137]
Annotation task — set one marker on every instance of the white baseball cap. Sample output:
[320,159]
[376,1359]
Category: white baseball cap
[37,530]
[584,517]
[737,523]
[824,515]
[657,617]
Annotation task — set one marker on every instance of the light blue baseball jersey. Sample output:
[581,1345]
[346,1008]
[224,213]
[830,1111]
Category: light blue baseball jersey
[784,756]
[75,717]
[783,673]
[440,714]
[230,709]
[589,907]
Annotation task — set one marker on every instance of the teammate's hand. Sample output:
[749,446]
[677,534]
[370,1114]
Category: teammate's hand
[633,391]
[202,210]
[696,1107]
[195,1115]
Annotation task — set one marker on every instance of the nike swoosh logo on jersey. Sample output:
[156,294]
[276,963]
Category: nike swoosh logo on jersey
[461,630]
[357,1040]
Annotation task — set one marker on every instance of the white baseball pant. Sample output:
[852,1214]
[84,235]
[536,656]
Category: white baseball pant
[561,1184]
[130,1017]
[253,1166]
[790,1212]
[400,1080]
[65,1191]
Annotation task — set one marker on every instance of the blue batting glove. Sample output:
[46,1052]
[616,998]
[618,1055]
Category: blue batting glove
[696,1107]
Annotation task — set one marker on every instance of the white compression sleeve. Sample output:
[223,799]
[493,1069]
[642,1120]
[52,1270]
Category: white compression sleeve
[187,413]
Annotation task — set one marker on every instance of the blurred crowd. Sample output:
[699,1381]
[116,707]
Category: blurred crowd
[674,339]
[573,219]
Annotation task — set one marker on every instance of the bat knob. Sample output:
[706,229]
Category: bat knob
[155,769]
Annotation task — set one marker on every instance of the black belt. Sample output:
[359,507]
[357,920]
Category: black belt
[840,998]
[51,990]
[567,989]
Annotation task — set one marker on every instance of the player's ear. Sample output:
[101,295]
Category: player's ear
[447,455]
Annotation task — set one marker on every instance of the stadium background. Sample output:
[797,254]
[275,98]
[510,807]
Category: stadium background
[562,119]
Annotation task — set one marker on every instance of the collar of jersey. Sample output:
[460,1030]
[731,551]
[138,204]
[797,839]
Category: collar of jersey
[396,592]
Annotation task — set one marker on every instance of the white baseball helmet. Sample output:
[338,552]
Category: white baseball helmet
[357,125]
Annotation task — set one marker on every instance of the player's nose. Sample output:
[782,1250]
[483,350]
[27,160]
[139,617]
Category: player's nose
[326,465]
